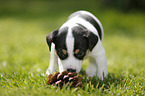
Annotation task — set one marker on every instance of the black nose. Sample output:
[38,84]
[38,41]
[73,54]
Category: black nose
[71,70]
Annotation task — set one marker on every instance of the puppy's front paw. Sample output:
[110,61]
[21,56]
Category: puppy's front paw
[91,71]
[89,74]
[102,73]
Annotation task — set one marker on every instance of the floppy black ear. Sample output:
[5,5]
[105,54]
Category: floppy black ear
[92,39]
[51,37]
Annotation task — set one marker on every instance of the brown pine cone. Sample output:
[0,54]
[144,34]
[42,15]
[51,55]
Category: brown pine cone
[59,79]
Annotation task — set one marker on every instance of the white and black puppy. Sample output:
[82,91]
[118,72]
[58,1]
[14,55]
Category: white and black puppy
[80,36]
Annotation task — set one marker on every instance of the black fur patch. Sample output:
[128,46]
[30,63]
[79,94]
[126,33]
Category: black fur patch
[51,37]
[80,42]
[60,43]
[83,40]
[92,39]
[93,22]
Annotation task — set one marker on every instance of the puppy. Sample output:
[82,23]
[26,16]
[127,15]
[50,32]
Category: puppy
[79,37]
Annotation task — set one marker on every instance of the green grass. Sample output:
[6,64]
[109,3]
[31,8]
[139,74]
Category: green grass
[24,55]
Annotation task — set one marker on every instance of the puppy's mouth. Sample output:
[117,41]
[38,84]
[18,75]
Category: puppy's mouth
[71,70]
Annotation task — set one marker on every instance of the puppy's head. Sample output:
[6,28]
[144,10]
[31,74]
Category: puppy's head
[72,45]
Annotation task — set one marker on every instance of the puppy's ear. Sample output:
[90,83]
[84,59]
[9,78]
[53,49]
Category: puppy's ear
[51,37]
[92,39]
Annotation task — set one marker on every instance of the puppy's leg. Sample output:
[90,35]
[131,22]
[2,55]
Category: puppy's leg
[60,66]
[101,62]
[99,55]
[92,68]
[53,60]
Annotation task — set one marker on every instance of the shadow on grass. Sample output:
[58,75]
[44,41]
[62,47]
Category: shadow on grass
[111,79]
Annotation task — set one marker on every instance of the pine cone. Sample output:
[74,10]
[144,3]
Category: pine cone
[59,79]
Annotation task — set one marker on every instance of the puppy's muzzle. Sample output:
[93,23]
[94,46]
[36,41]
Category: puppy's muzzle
[71,70]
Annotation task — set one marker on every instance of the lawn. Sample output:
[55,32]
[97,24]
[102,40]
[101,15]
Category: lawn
[24,54]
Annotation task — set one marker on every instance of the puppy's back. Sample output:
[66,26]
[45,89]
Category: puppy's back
[89,17]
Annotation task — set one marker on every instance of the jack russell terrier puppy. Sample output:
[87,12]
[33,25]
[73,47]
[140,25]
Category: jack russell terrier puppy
[79,37]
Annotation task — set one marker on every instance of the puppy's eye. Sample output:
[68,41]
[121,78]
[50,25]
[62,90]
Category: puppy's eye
[79,53]
[62,54]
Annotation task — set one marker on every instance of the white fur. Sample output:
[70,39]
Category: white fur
[97,57]
[53,60]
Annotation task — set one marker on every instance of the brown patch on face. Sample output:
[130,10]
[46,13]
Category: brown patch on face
[64,51]
[77,51]
[87,51]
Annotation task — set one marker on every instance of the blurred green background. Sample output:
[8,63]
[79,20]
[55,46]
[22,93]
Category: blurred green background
[25,23]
